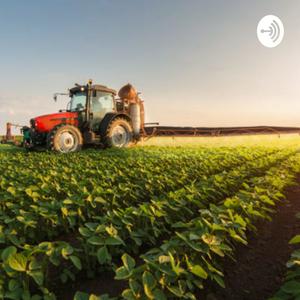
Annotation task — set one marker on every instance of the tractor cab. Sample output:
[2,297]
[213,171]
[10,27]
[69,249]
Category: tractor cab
[93,117]
[92,103]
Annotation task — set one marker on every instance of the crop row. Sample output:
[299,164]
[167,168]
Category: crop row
[182,263]
[193,254]
[290,290]
[38,212]
[41,192]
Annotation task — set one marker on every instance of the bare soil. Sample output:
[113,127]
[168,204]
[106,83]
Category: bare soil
[102,284]
[260,267]
[257,272]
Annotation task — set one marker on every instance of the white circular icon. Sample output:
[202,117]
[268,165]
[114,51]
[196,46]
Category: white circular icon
[270,31]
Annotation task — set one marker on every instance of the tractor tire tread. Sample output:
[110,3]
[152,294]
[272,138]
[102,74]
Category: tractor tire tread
[106,138]
[53,132]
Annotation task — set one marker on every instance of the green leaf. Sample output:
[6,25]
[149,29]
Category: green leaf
[38,277]
[34,265]
[7,252]
[13,285]
[17,262]
[14,295]
[291,287]
[219,280]
[95,240]
[111,231]
[54,260]
[128,262]
[67,201]
[103,255]
[295,240]
[175,290]
[237,237]
[105,297]
[149,283]
[84,231]
[199,271]
[217,250]
[210,239]
[114,241]
[65,211]
[198,284]
[159,295]
[12,190]
[134,286]
[91,226]
[94,297]
[128,295]
[45,246]
[66,251]
[122,273]
[175,267]
[81,296]
[76,262]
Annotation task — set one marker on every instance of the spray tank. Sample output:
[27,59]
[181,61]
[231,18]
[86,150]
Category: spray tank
[129,95]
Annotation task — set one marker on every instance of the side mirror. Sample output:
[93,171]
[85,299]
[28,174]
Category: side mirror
[59,94]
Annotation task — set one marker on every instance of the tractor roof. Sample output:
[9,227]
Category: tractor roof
[97,87]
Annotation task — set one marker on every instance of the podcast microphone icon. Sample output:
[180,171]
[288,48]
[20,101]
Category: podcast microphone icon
[270,31]
[274,31]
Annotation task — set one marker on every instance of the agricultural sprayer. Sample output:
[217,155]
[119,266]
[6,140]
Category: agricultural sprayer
[96,115]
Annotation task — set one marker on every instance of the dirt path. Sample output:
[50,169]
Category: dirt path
[259,269]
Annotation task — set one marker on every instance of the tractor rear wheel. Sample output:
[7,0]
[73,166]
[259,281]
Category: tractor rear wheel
[119,133]
[64,139]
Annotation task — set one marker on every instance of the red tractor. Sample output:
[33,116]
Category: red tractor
[93,117]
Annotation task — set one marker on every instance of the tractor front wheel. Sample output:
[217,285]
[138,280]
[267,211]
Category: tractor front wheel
[119,133]
[64,139]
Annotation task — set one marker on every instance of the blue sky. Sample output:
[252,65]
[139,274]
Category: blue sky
[196,62]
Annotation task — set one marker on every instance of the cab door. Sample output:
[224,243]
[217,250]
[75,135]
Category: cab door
[101,104]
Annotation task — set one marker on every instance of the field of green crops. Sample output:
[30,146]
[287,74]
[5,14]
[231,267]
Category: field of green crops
[162,219]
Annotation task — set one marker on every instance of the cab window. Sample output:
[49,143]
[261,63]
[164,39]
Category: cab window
[102,102]
[78,101]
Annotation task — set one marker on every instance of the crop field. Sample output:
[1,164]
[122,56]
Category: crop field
[149,222]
